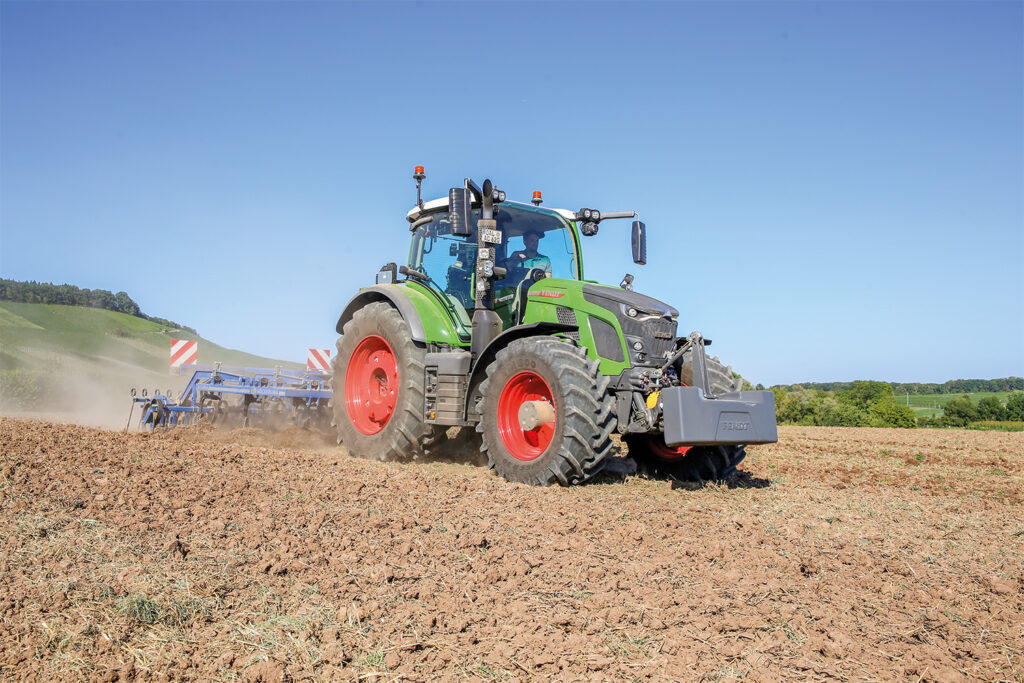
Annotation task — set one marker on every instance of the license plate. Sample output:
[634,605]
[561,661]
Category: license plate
[490,236]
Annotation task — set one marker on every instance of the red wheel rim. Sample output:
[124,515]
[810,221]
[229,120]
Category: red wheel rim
[663,451]
[371,385]
[524,444]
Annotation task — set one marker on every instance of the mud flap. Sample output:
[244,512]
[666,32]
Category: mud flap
[739,417]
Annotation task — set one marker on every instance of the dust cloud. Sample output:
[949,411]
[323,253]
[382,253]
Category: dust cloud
[93,392]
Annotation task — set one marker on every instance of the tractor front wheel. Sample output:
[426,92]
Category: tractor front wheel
[378,387]
[546,413]
[687,463]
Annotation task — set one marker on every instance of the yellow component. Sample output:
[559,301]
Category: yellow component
[652,399]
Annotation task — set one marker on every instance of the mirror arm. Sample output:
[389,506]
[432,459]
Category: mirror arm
[420,222]
[617,214]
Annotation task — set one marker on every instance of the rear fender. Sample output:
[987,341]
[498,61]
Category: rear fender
[427,321]
[393,295]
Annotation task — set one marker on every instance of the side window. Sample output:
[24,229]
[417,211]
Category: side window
[448,260]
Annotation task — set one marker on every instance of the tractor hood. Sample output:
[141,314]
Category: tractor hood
[603,295]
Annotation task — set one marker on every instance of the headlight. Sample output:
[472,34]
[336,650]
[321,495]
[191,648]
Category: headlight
[638,346]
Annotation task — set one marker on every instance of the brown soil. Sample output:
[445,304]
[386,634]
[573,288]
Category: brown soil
[873,555]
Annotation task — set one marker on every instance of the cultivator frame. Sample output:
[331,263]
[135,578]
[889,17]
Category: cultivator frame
[240,397]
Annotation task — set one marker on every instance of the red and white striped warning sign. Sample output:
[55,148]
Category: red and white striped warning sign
[182,352]
[319,359]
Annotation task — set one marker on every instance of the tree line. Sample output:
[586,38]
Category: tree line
[962,411]
[68,295]
[873,404]
[953,386]
[863,404]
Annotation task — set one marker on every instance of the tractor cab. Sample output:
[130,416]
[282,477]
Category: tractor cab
[449,260]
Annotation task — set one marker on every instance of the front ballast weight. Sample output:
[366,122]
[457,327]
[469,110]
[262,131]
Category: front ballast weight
[694,416]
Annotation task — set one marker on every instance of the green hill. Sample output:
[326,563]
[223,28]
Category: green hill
[80,363]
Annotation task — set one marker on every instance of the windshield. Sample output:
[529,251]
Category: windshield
[531,238]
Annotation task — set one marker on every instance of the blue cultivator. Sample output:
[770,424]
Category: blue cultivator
[241,397]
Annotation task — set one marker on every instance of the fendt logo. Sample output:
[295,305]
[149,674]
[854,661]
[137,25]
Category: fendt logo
[734,422]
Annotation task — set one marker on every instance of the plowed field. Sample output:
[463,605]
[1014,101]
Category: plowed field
[871,555]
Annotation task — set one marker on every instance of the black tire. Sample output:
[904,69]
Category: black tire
[699,463]
[719,376]
[404,434]
[580,438]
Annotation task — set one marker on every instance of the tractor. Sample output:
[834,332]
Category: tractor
[493,328]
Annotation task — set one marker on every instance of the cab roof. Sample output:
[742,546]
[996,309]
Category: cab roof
[442,202]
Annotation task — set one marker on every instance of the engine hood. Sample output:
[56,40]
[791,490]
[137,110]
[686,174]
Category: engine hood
[641,302]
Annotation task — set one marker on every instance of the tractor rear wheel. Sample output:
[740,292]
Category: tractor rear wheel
[719,376]
[546,413]
[688,463]
[378,387]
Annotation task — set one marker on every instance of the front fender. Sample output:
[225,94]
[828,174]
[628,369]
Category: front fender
[504,339]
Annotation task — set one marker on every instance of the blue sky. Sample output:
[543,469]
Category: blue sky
[833,190]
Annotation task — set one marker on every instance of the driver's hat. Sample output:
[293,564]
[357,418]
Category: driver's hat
[538,233]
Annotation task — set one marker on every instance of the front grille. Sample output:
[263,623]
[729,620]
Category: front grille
[653,331]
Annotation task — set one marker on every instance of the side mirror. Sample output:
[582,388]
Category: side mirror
[460,209]
[639,241]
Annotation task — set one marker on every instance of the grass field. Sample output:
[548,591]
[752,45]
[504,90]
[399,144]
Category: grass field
[77,363]
[930,405]
[37,335]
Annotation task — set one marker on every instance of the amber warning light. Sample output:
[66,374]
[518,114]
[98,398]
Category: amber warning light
[419,175]
[536,198]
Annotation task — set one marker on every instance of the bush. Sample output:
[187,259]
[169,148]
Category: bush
[991,408]
[888,414]
[959,412]
[998,426]
[1015,406]
[836,414]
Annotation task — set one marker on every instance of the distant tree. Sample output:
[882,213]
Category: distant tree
[889,414]
[124,304]
[864,394]
[69,295]
[959,412]
[991,408]
[1015,406]
[836,413]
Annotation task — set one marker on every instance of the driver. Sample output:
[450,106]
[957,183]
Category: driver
[529,257]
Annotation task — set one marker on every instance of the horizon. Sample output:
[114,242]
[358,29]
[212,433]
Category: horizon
[184,327]
[834,190]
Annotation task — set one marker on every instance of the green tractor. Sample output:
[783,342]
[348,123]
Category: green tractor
[492,327]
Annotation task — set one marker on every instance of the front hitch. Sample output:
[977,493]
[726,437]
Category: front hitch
[696,342]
